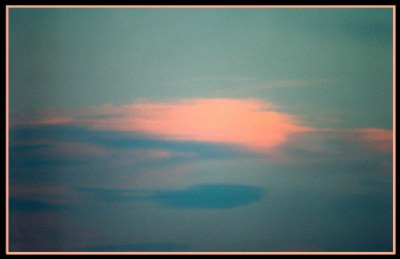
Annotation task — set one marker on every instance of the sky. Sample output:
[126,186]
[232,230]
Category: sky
[227,130]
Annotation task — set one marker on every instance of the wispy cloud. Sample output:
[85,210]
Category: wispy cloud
[248,124]
[374,139]
[29,205]
[204,196]
[47,117]
[233,79]
[379,139]
[257,87]
[251,124]
[68,150]
[44,196]
[209,196]
[166,147]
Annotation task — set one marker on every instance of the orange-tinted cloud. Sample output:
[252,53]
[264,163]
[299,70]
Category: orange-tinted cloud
[53,121]
[42,118]
[249,123]
[379,139]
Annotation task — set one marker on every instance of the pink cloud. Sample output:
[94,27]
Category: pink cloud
[248,123]
[251,124]
[46,117]
[379,139]
[52,120]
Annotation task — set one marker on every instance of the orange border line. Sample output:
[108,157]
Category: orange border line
[206,253]
[7,126]
[394,129]
[201,6]
[191,7]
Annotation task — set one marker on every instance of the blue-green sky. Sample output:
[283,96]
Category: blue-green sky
[67,58]
[200,129]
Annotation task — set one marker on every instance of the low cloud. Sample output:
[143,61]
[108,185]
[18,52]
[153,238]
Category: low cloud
[209,196]
[184,128]
[248,123]
[205,196]
[379,139]
[28,205]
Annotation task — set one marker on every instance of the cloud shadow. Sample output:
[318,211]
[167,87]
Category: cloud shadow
[205,196]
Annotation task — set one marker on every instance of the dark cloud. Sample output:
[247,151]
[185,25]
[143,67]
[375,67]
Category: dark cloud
[110,140]
[205,196]
[115,195]
[209,196]
[331,187]
[28,205]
